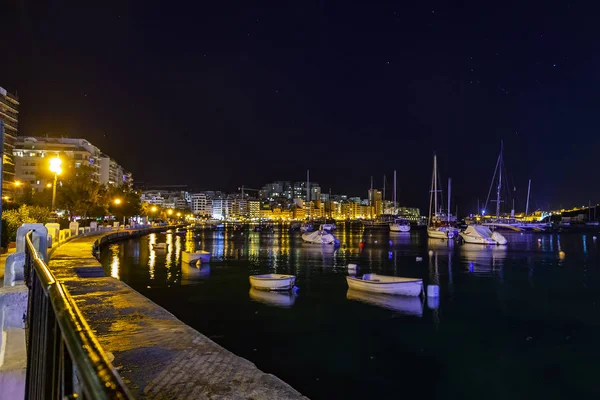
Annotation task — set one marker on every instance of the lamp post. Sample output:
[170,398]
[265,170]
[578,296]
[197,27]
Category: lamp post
[55,167]
[118,202]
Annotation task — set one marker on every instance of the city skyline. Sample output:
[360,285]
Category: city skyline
[345,90]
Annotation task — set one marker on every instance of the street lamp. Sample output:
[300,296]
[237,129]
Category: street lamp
[170,212]
[153,209]
[117,201]
[56,168]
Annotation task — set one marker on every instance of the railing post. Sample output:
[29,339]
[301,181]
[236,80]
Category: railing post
[39,239]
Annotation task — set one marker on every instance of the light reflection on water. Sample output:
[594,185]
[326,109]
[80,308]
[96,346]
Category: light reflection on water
[492,298]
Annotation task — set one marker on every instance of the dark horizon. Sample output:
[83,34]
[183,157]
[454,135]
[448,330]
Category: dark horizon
[222,95]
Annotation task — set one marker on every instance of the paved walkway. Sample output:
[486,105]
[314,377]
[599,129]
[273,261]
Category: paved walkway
[157,355]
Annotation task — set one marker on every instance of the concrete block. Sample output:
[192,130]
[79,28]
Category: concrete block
[53,229]
[40,238]
[94,225]
[14,268]
[74,227]
[13,306]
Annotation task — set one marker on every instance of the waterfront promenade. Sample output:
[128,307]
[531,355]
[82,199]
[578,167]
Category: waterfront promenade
[156,355]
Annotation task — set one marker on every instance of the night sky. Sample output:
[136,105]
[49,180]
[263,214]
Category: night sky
[216,94]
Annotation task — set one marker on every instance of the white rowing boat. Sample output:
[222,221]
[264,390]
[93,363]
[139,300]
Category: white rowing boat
[272,282]
[191,257]
[384,284]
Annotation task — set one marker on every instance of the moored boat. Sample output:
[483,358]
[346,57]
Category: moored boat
[400,225]
[384,284]
[191,257]
[478,234]
[272,282]
[321,236]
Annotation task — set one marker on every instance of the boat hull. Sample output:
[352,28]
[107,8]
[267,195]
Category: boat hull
[272,282]
[320,237]
[399,228]
[410,287]
[439,234]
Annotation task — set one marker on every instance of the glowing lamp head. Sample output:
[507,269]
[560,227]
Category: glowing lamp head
[56,165]
[17,183]
[117,201]
[170,212]
[153,209]
[179,214]
[48,185]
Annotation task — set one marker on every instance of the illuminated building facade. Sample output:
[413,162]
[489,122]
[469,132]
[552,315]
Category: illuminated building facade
[9,114]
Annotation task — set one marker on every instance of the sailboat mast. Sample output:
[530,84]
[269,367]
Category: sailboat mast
[435,184]
[383,189]
[527,204]
[394,199]
[308,191]
[499,181]
[449,188]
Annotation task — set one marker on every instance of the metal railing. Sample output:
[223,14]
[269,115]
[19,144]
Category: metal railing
[64,358]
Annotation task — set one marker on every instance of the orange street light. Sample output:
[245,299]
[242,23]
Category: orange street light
[117,201]
[170,212]
[56,168]
[153,209]
[18,183]
[48,185]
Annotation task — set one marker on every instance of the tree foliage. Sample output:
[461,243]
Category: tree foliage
[23,215]
[82,195]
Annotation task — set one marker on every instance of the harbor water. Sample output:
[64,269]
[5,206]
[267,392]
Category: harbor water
[516,321]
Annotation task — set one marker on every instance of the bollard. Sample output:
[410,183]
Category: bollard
[433,291]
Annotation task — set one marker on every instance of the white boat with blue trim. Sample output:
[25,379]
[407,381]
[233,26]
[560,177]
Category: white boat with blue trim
[384,284]
[272,282]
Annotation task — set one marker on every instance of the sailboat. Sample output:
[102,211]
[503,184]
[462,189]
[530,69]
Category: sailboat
[434,228]
[482,234]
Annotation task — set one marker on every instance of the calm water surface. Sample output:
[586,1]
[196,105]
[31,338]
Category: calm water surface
[513,322]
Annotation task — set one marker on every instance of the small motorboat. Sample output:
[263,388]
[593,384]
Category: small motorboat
[400,225]
[478,234]
[277,299]
[272,282]
[160,246]
[192,257]
[401,304]
[384,284]
[440,232]
[321,236]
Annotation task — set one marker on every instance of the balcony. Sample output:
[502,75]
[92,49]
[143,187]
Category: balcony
[9,104]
